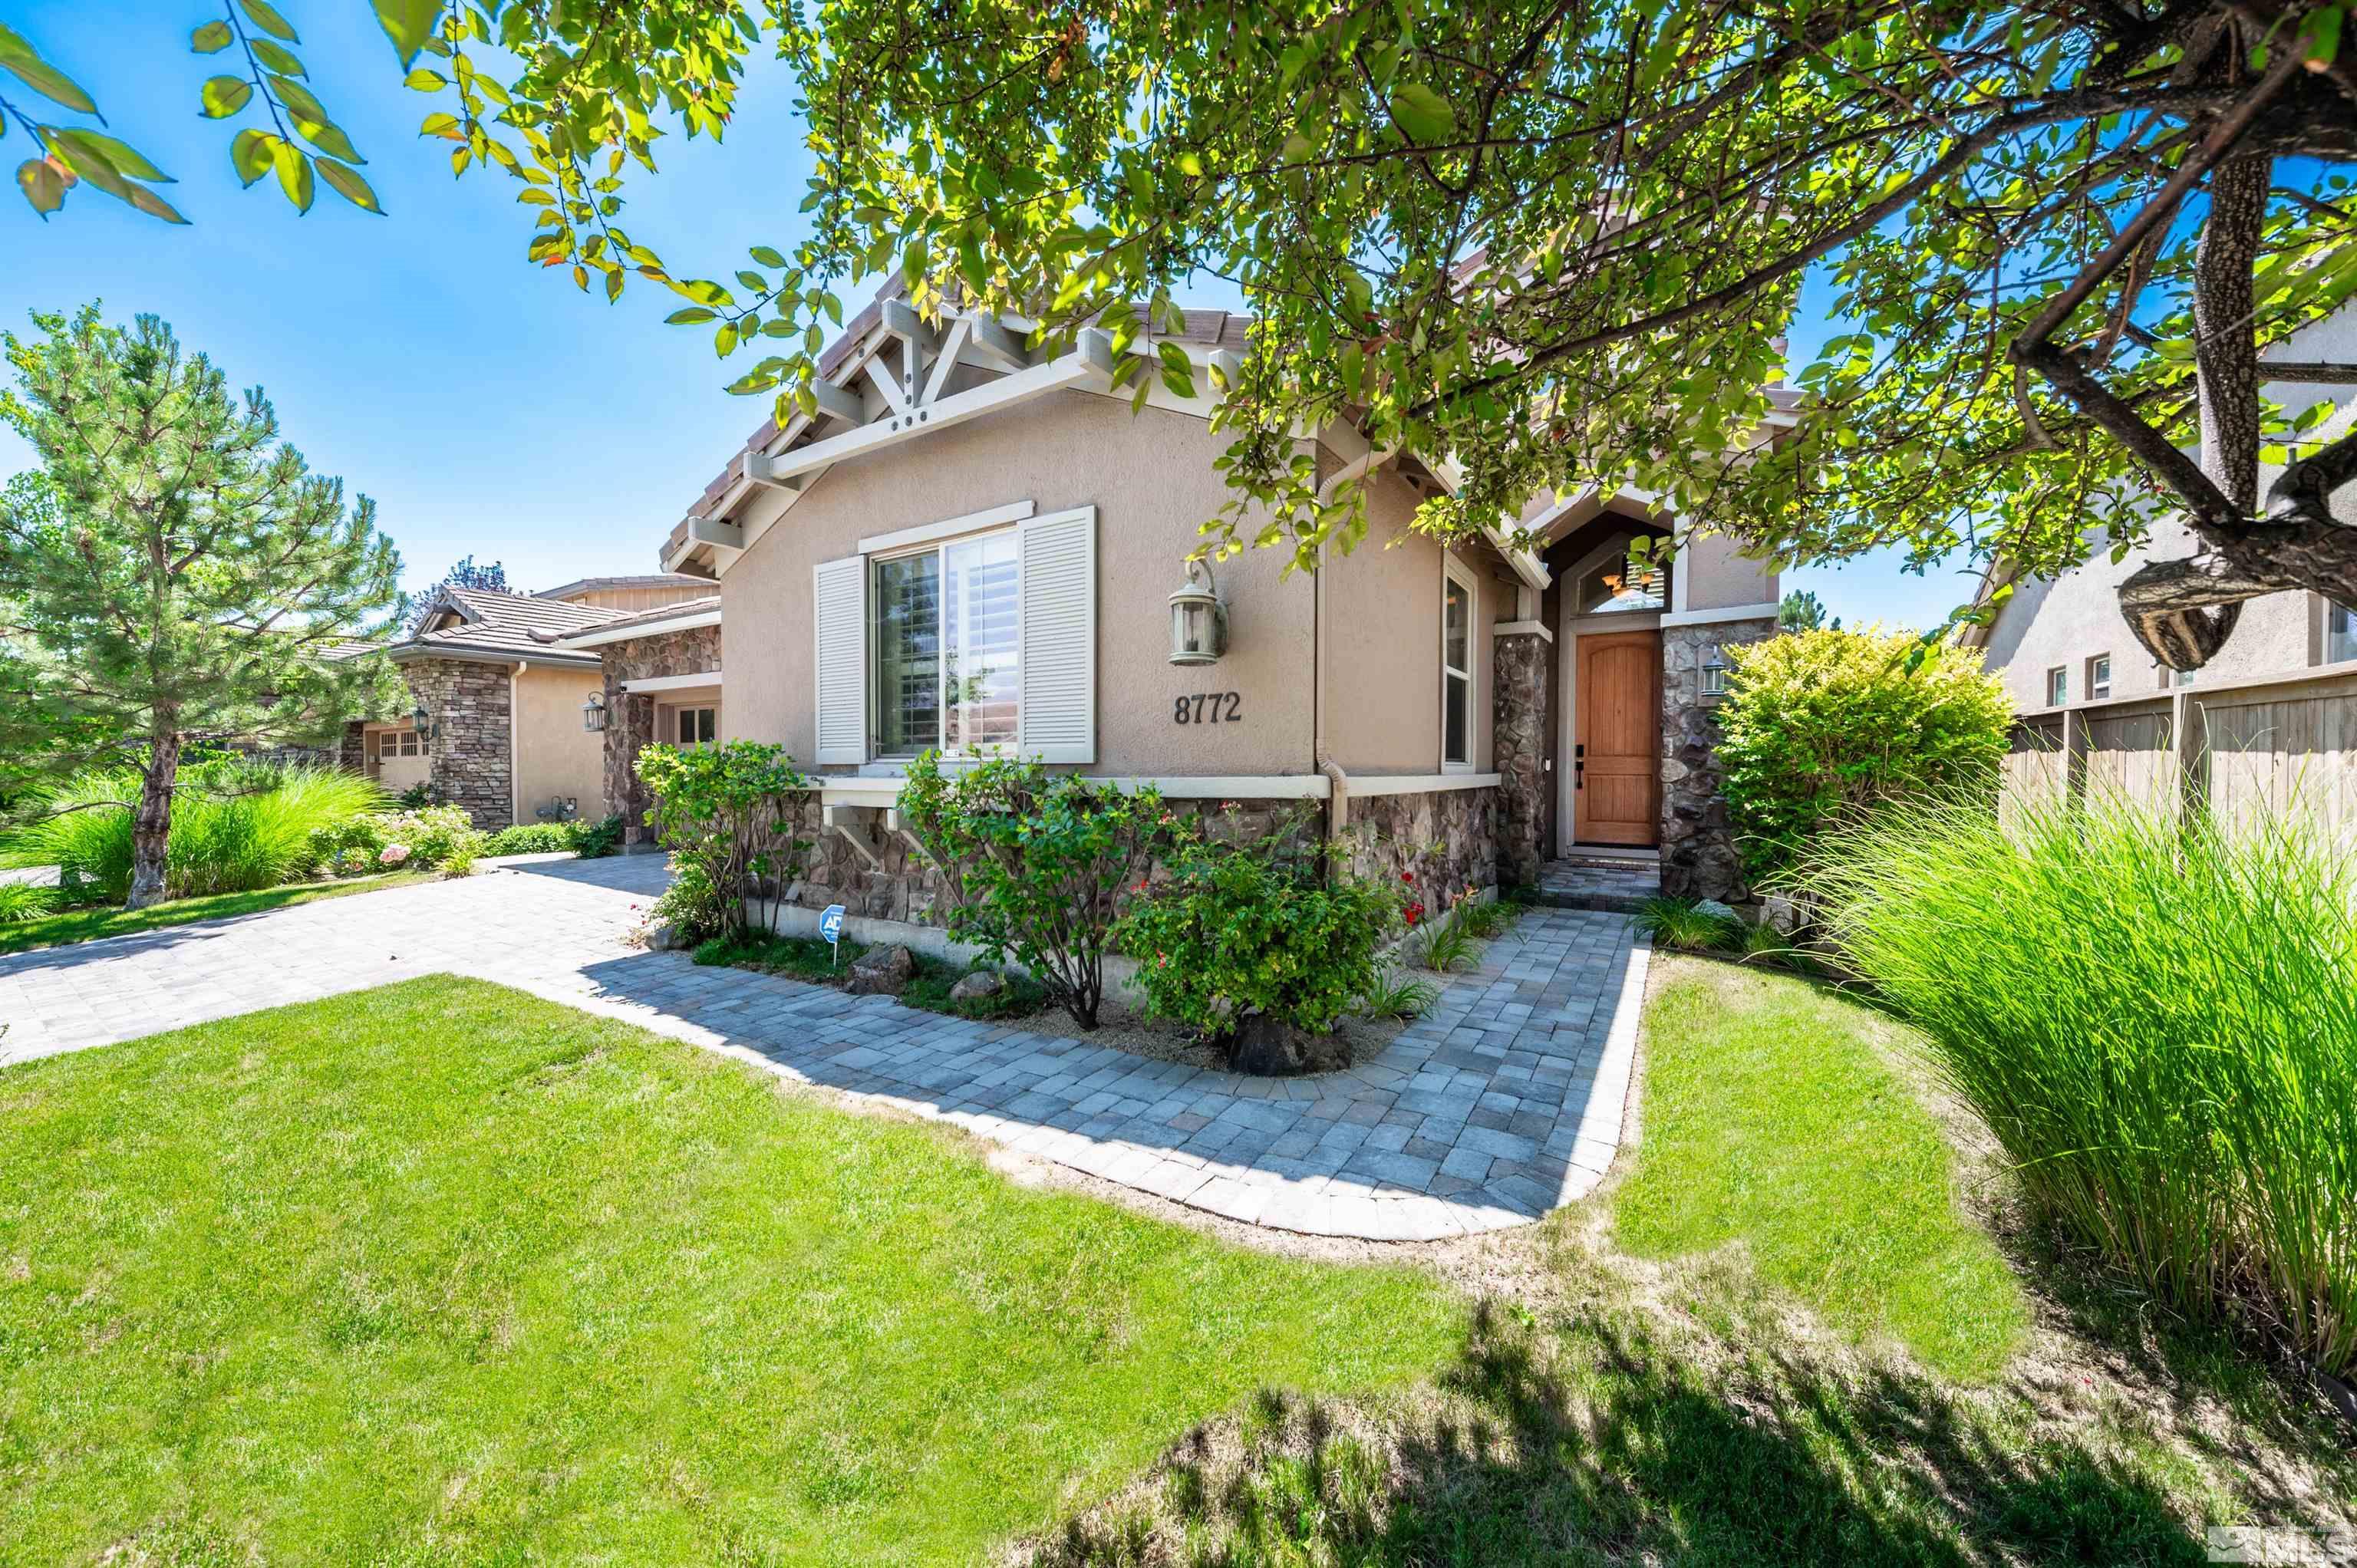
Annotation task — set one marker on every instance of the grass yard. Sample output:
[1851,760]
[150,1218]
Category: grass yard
[443,1272]
[1771,1123]
[88,925]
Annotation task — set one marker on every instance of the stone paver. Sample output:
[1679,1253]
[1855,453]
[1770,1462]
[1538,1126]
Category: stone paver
[1503,1102]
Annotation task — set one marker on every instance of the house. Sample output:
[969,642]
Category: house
[498,727]
[972,545]
[2273,715]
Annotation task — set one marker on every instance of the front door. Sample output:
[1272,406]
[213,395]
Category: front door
[1617,754]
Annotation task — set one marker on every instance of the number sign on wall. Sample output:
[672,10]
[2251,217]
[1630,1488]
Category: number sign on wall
[1208,708]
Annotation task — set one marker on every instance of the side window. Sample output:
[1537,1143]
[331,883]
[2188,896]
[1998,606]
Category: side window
[1456,670]
[2099,676]
[2340,633]
[2058,686]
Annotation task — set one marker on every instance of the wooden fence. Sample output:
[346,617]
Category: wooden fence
[2234,750]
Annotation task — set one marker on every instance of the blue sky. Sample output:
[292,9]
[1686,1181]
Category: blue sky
[487,407]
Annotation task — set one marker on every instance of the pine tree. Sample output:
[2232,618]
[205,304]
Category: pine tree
[180,576]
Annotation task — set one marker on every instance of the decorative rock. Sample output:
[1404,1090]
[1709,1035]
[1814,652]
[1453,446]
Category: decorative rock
[1266,1048]
[980,984]
[886,972]
[1716,910]
[663,936]
[1781,913]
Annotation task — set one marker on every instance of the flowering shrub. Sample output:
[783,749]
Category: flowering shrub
[724,813]
[1280,927]
[1035,865]
[393,854]
[429,836]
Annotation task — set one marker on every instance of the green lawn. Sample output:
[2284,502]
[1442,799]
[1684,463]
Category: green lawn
[1771,1121]
[442,1272]
[87,925]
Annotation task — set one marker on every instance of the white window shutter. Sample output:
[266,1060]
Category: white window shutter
[1057,719]
[839,612]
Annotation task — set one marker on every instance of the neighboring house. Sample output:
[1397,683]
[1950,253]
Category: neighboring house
[971,547]
[2274,716]
[499,726]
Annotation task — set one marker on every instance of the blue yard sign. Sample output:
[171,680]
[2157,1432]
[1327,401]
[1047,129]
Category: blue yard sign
[829,926]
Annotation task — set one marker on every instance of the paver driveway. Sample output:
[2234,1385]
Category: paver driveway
[1506,1101]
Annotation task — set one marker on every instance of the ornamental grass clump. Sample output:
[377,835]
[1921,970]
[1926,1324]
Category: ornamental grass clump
[2158,1021]
[236,827]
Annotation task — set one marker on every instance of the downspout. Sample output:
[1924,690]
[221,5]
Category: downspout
[515,763]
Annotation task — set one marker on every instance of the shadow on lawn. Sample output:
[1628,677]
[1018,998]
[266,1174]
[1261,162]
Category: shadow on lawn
[1612,1447]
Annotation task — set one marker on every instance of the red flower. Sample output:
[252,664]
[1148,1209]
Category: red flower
[1407,876]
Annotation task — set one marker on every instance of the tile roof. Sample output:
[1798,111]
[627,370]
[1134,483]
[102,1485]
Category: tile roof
[502,623]
[702,606]
[642,580]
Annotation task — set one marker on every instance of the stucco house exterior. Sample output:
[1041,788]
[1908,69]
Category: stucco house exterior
[972,545]
[2273,715]
[498,727]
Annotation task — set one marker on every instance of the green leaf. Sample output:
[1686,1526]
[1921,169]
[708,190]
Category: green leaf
[425,80]
[154,206]
[263,14]
[311,121]
[25,63]
[222,96]
[443,125]
[212,38]
[689,315]
[252,155]
[43,186]
[410,23]
[125,158]
[724,340]
[278,59]
[703,291]
[294,174]
[754,282]
[767,256]
[86,162]
[349,185]
[1422,113]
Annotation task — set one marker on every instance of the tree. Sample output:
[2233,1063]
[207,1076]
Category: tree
[193,581]
[1556,245]
[490,579]
[1802,610]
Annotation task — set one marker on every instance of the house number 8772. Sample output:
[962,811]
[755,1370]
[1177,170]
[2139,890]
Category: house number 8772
[1208,708]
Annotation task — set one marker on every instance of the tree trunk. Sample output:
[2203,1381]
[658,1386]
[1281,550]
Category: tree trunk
[151,828]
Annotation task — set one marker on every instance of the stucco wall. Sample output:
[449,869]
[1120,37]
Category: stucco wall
[554,755]
[1151,478]
[1382,662]
[1718,577]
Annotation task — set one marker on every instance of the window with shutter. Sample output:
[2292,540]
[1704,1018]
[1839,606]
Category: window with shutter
[839,615]
[1058,710]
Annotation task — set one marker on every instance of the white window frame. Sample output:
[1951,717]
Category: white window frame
[1457,572]
[2058,686]
[2099,676]
[934,545]
[677,710]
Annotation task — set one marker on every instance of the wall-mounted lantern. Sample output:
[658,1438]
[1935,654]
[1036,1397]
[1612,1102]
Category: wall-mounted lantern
[1198,621]
[421,719]
[1714,674]
[593,713]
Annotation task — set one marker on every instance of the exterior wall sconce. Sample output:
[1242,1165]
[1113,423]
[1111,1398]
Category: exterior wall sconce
[593,713]
[1198,621]
[421,719]
[1714,674]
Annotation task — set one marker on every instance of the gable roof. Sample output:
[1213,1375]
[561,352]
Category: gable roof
[497,624]
[642,580]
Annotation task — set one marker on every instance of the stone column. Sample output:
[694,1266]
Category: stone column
[1698,858]
[1518,729]
[629,726]
[468,763]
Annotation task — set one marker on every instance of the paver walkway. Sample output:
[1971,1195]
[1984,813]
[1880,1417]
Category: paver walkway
[1503,1102]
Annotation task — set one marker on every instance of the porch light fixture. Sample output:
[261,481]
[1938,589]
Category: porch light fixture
[1714,674]
[593,713]
[1198,621]
[421,719]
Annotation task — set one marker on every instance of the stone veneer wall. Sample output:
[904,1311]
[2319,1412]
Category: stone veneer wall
[352,751]
[469,761]
[1698,859]
[630,718]
[1448,840]
[1518,745]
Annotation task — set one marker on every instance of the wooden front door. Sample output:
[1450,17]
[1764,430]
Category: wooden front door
[1617,759]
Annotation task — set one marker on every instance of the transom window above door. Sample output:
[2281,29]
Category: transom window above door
[1617,584]
[945,645]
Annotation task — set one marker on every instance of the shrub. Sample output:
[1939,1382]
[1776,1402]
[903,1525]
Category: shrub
[1684,925]
[530,838]
[236,827]
[1035,865]
[2158,1023]
[1278,927]
[1818,725]
[726,810]
[595,840]
[1396,996]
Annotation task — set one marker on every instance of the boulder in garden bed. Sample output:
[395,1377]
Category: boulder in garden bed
[885,972]
[1266,1048]
[982,983]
